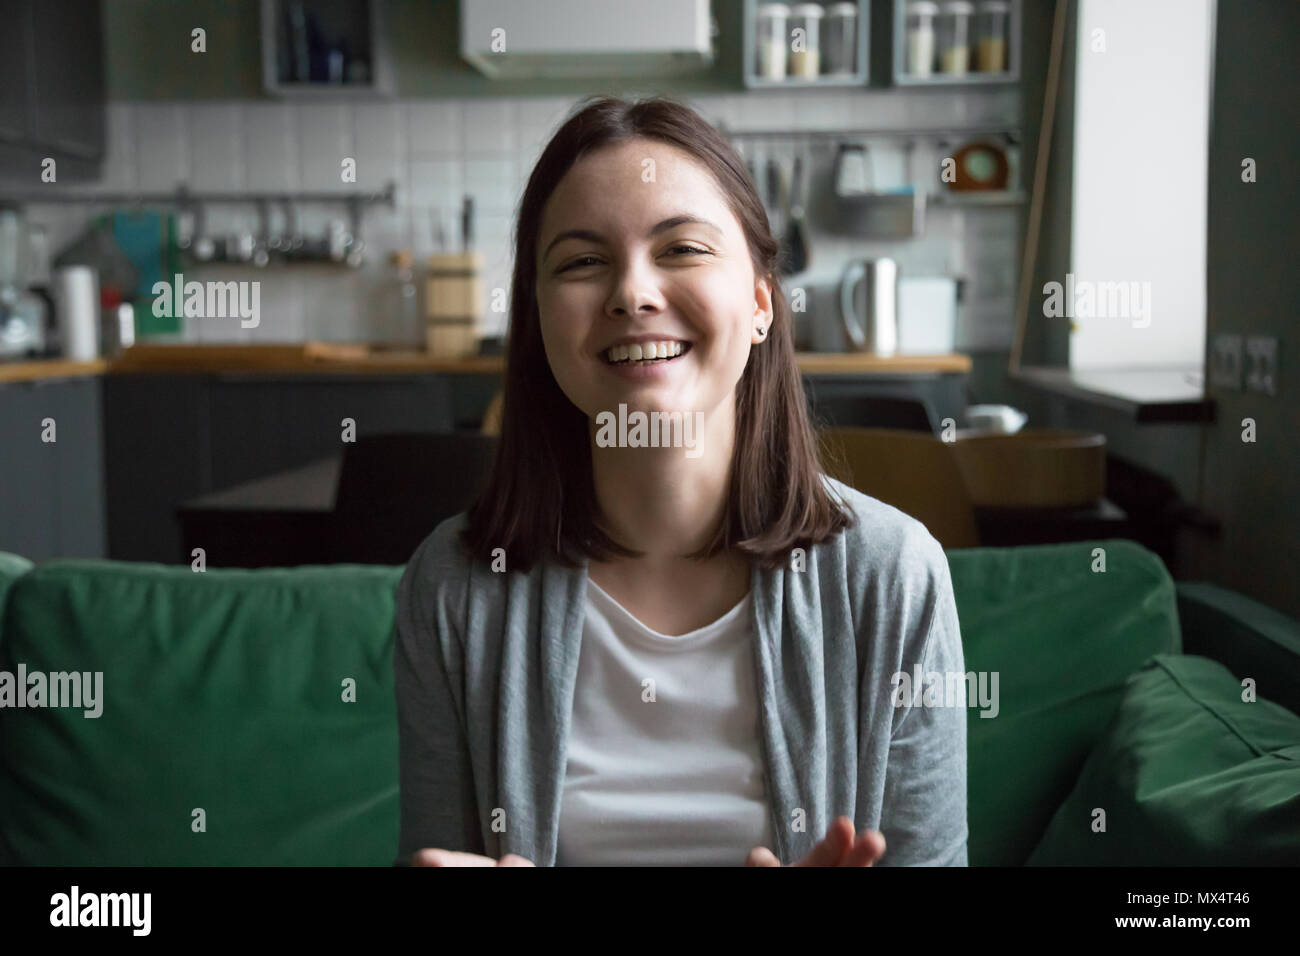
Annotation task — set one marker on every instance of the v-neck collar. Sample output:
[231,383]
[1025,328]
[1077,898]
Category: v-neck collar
[691,637]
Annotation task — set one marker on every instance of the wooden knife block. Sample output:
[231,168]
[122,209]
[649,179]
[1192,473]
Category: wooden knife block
[455,301]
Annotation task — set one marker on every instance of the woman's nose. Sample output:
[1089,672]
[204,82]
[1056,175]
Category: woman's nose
[635,291]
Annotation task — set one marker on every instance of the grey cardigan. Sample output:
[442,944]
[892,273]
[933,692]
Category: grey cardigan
[485,664]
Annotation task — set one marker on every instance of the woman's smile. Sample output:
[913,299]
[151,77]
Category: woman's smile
[645,360]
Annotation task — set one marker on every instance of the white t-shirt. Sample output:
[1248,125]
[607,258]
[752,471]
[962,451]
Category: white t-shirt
[677,780]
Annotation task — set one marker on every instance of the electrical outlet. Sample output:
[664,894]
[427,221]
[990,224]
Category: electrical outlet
[1225,362]
[1261,364]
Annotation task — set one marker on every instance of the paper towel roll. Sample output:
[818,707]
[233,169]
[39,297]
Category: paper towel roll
[76,296]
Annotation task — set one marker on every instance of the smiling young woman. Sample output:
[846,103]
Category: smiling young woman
[636,654]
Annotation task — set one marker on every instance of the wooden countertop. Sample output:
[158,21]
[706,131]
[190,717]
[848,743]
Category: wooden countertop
[39,369]
[330,357]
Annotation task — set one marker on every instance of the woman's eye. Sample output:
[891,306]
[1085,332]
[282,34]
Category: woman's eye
[584,260]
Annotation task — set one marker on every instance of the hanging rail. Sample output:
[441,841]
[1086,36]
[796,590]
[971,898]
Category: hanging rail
[182,195]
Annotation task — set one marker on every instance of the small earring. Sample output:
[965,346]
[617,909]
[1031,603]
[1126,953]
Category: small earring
[761,331]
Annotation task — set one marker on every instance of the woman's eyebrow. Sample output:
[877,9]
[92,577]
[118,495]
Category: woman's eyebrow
[663,226]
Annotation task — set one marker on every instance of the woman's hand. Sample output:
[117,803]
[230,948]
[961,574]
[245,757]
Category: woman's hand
[453,858]
[839,848]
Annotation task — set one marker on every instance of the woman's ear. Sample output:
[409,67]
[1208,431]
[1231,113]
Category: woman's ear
[763,311]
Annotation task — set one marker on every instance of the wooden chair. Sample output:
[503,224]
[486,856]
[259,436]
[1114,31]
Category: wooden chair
[913,471]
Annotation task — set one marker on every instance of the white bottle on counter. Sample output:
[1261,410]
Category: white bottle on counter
[76,302]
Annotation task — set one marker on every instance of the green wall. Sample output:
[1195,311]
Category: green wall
[149,58]
[1253,289]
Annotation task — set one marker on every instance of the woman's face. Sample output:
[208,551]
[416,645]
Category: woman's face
[638,242]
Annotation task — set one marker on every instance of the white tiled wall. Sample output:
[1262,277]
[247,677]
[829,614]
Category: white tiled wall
[438,150]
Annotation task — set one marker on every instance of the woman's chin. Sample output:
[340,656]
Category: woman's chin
[647,405]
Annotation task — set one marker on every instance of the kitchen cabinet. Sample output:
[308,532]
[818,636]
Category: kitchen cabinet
[156,454]
[327,48]
[259,424]
[592,39]
[52,500]
[172,437]
[989,53]
[15,67]
[842,57]
[52,69]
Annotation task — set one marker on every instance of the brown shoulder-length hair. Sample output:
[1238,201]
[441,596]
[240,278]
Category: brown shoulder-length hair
[539,500]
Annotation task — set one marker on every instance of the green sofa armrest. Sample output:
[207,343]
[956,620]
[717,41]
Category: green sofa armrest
[12,567]
[1249,638]
[1063,637]
[1188,774]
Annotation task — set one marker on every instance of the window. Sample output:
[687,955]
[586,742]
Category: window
[1136,284]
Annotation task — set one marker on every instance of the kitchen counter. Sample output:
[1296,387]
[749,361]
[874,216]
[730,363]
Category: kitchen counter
[325,357]
[1148,395]
[38,369]
[160,425]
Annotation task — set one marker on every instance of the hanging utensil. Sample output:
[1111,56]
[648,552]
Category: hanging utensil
[774,195]
[783,205]
[467,225]
[796,233]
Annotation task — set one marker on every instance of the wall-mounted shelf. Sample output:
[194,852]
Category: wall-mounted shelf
[823,137]
[325,49]
[998,197]
[973,76]
[756,78]
[262,248]
[182,195]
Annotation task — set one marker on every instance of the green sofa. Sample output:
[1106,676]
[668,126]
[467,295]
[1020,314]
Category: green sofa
[247,717]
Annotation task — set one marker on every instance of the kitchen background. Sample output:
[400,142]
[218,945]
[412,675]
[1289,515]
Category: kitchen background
[436,151]
[204,121]
[222,121]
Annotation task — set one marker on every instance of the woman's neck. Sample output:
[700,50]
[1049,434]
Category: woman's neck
[659,500]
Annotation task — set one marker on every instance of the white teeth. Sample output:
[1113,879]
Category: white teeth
[648,351]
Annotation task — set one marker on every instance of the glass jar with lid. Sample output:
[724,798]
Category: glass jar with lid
[954,36]
[770,27]
[991,17]
[805,46]
[920,37]
[840,39]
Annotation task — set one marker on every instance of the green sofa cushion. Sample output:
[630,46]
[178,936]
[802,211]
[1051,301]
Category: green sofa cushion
[1063,639]
[222,690]
[1188,775]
